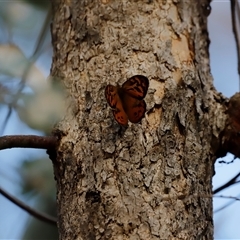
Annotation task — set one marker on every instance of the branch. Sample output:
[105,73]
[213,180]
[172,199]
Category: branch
[28,141]
[229,183]
[41,216]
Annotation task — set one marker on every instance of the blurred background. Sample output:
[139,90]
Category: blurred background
[25,62]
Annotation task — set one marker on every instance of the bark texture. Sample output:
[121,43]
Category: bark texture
[151,180]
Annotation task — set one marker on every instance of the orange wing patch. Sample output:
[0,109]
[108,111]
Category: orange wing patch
[127,101]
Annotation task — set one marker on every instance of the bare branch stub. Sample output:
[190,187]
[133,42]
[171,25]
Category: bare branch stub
[231,134]
[28,141]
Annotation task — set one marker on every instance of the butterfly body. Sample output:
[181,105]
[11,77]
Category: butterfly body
[127,101]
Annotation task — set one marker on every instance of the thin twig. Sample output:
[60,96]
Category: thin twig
[31,61]
[36,53]
[225,206]
[28,141]
[230,162]
[235,10]
[41,216]
[229,197]
[6,120]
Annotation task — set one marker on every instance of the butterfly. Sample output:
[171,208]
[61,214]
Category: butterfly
[127,101]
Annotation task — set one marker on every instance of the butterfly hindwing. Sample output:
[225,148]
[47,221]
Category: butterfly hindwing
[134,108]
[137,112]
[120,116]
[111,94]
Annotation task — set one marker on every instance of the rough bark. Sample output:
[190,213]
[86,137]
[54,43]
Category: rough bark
[151,180]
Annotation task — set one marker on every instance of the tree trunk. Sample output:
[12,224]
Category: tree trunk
[150,180]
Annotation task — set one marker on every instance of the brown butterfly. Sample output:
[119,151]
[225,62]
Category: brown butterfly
[127,101]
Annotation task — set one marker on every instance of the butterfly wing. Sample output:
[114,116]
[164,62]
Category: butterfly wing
[115,102]
[136,86]
[134,108]
[111,95]
[132,93]
[127,102]
[120,116]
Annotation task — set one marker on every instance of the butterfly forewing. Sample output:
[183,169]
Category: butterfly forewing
[136,86]
[111,94]
[115,102]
